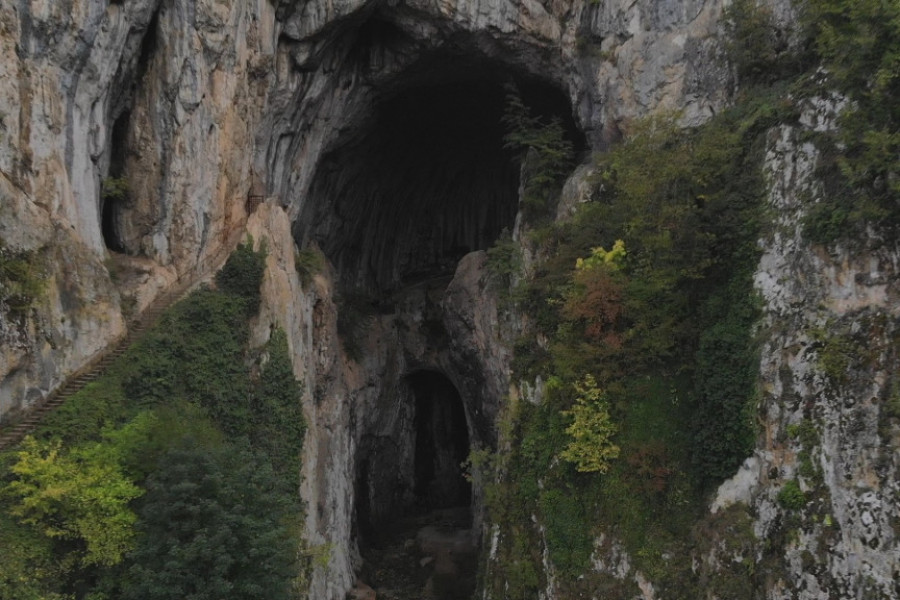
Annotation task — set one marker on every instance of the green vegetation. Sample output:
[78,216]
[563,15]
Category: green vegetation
[242,274]
[158,480]
[645,300]
[308,263]
[790,496]
[858,42]
[546,154]
[115,189]
[504,262]
[21,278]
[590,448]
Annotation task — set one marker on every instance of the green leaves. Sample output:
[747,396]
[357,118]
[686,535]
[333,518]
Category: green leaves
[81,495]
[21,278]
[242,274]
[591,448]
[546,153]
[858,43]
[214,526]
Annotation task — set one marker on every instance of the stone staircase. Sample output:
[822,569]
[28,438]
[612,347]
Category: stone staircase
[14,433]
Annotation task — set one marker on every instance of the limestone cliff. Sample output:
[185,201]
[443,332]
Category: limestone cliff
[341,117]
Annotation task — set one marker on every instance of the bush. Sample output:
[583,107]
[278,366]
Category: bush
[308,263]
[858,42]
[591,448]
[790,496]
[21,278]
[242,274]
[212,526]
[546,154]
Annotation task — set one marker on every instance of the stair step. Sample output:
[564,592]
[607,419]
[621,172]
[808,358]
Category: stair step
[137,328]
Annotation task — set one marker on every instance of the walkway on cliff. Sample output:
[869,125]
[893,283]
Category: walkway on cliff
[14,432]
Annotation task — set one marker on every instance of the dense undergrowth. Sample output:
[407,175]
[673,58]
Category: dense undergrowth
[173,476]
[647,295]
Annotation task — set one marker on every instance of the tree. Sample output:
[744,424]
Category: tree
[81,496]
[591,447]
[213,526]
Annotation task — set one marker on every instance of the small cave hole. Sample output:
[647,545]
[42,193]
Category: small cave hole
[442,443]
[114,192]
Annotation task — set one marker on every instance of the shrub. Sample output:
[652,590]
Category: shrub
[213,526]
[591,448]
[308,263]
[21,278]
[242,274]
[790,496]
[115,189]
[858,41]
[81,496]
[546,153]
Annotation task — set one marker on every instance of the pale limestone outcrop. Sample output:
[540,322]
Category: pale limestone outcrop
[88,84]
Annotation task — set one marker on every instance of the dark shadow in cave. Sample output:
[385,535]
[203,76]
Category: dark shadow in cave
[421,537]
[426,179]
[442,442]
[112,208]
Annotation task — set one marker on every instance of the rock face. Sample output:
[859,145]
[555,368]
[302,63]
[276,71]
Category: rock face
[359,124]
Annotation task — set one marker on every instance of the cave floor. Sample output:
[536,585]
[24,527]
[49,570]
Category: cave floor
[430,556]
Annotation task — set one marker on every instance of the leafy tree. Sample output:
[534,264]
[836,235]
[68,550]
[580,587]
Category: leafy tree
[277,413]
[28,570]
[242,274]
[546,152]
[591,447]
[81,496]
[858,42]
[214,526]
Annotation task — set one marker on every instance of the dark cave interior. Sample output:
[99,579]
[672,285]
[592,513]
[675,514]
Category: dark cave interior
[442,442]
[112,205]
[426,179]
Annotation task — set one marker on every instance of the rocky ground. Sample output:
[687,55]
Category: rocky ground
[431,556]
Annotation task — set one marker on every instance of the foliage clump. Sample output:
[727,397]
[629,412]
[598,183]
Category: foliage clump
[158,480]
[790,496]
[858,43]
[21,278]
[308,262]
[242,274]
[591,448]
[546,152]
[646,311]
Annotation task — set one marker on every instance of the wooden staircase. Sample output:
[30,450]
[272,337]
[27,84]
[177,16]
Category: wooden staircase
[14,433]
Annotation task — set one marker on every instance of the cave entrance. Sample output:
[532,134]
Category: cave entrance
[114,191]
[425,176]
[414,502]
[442,443]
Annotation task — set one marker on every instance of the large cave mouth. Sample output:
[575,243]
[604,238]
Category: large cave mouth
[426,178]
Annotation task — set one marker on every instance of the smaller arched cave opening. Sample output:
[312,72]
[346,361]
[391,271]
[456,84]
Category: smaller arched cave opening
[410,462]
[426,177]
[442,443]
[114,189]
[413,500]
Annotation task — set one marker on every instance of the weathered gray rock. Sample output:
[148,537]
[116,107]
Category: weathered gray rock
[199,102]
